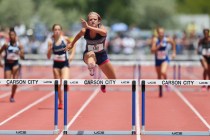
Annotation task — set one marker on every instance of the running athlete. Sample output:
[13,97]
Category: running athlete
[95,35]
[159,48]
[204,51]
[61,60]
[13,51]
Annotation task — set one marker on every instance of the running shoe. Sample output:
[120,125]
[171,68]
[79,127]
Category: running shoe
[91,68]
[60,106]
[103,88]
[208,88]
[203,88]
[12,100]
[91,72]
[167,88]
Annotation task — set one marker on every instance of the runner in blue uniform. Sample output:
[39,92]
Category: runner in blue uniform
[61,58]
[13,51]
[95,35]
[159,48]
[204,52]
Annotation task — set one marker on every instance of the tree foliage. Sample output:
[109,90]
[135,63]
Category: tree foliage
[49,14]
[144,13]
[13,12]
[151,13]
[193,6]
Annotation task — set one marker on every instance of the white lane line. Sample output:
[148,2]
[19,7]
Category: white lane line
[188,103]
[138,129]
[190,106]
[138,126]
[31,105]
[80,111]
[19,89]
[27,107]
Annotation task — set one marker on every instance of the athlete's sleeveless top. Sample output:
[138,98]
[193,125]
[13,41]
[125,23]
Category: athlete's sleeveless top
[205,50]
[59,54]
[162,53]
[96,44]
[12,52]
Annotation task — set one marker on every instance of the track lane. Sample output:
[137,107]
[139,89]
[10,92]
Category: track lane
[170,112]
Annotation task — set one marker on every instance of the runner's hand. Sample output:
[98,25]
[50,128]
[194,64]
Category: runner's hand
[173,55]
[84,23]
[68,47]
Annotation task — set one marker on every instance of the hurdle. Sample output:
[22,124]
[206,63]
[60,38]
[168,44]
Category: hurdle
[177,71]
[170,83]
[54,82]
[131,82]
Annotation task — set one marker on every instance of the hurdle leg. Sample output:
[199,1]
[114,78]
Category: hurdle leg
[133,107]
[56,107]
[65,107]
[179,72]
[134,71]
[143,106]
[174,71]
[139,71]
[160,90]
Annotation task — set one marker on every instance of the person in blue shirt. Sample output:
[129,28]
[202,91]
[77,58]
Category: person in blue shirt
[95,53]
[13,52]
[61,58]
[159,48]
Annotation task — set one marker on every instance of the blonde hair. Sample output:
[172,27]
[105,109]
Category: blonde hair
[99,17]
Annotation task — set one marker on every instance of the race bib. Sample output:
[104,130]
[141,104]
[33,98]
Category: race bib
[96,48]
[60,58]
[12,56]
[206,51]
[161,55]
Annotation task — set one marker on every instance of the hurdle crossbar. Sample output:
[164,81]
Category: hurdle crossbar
[169,82]
[131,82]
[172,82]
[99,81]
[97,132]
[176,133]
[29,132]
[28,81]
[54,82]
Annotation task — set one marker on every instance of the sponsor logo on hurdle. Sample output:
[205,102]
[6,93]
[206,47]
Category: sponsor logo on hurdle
[21,82]
[125,82]
[21,132]
[98,133]
[73,82]
[151,83]
[100,82]
[47,82]
[176,133]
[203,83]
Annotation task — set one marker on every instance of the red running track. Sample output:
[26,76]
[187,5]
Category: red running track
[110,111]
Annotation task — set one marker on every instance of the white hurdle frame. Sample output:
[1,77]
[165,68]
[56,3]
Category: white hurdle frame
[130,82]
[54,82]
[171,83]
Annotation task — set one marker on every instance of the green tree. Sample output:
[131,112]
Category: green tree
[13,12]
[119,11]
[48,14]
[193,6]
[149,13]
